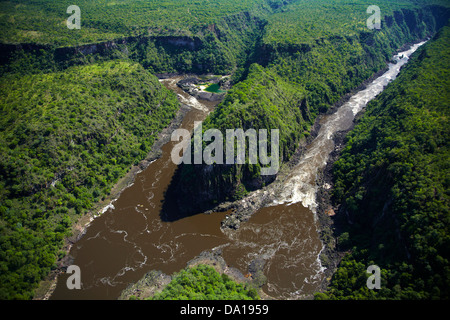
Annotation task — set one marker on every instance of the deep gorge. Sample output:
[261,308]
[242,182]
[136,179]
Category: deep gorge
[285,85]
[299,100]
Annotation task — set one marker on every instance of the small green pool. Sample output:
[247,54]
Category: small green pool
[215,88]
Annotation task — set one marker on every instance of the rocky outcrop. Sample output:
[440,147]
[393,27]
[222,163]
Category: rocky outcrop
[190,85]
[213,184]
[153,282]
[210,96]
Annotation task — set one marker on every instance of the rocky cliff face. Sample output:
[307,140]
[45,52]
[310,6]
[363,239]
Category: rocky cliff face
[201,187]
[209,185]
[218,48]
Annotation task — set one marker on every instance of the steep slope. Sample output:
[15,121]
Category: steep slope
[68,134]
[44,21]
[220,48]
[392,184]
[295,84]
[65,139]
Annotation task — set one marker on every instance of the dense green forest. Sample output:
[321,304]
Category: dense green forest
[65,139]
[305,22]
[44,21]
[392,181]
[215,37]
[263,100]
[204,283]
[287,90]
[78,108]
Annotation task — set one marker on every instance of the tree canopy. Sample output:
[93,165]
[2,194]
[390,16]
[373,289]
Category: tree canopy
[392,182]
[204,283]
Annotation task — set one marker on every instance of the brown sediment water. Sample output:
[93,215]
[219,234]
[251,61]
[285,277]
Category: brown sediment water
[285,237]
[130,238]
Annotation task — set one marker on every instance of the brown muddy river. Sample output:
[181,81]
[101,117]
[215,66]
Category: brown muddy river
[130,238]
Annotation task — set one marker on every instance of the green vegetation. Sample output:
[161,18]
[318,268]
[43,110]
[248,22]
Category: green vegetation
[287,90]
[393,183]
[263,100]
[74,119]
[214,88]
[188,36]
[222,48]
[65,139]
[204,283]
[44,21]
[304,21]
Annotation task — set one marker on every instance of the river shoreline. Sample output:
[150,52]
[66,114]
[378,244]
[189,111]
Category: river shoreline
[48,285]
[155,281]
[242,209]
[327,226]
[328,209]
